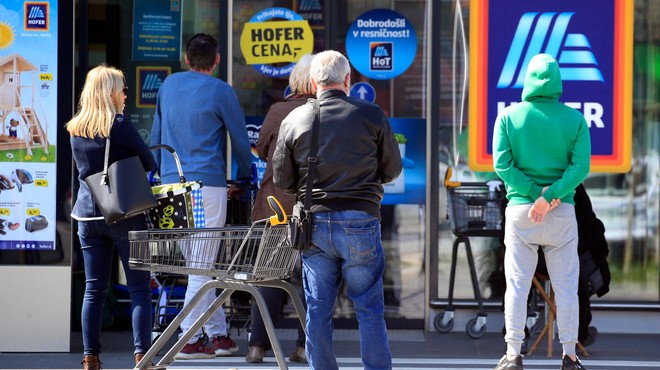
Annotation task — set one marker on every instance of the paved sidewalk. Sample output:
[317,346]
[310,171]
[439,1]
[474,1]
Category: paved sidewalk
[412,349]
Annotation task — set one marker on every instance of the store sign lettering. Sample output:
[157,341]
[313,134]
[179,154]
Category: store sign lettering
[276,41]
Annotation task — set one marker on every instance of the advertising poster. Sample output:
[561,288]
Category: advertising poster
[253,124]
[410,186]
[157,30]
[312,11]
[28,118]
[592,42]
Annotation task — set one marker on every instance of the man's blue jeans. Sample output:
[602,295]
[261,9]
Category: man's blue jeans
[97,240]
[347,246]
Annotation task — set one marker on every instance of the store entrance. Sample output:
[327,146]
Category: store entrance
[259,83]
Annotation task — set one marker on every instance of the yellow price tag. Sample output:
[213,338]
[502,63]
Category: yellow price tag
[4,211]
[41,182]
[32,212]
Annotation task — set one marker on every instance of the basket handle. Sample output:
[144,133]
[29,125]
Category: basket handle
[182,178]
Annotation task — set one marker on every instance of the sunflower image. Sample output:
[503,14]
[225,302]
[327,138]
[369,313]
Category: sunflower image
[6,35]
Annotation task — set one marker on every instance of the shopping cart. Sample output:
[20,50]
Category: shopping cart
[474,210]
[239,258]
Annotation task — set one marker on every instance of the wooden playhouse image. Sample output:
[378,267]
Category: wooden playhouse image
[22,128]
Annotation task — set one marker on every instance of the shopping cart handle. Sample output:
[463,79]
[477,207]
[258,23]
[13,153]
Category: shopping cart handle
[279,218]
[182,178]
[448,182]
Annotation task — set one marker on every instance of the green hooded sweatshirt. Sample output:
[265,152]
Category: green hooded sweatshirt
[541,142]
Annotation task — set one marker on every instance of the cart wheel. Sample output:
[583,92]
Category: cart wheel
[440,327]
[472,330]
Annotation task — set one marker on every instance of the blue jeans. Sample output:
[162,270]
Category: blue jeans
[347,246]
[97,240]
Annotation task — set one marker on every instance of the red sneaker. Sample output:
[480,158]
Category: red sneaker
[224,345]
[199,350]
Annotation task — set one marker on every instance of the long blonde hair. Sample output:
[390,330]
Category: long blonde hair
[100,101]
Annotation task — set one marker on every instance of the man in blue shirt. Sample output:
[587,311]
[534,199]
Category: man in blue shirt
[194,111]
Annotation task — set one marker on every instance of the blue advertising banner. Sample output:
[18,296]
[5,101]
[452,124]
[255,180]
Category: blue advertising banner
[157,30]
[591,40]
[28,120]
[381,44]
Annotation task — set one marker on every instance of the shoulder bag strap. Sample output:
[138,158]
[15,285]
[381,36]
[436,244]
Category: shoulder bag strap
[311,160]
[104,177]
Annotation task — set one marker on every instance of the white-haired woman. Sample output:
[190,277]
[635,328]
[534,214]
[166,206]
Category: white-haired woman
[301,91]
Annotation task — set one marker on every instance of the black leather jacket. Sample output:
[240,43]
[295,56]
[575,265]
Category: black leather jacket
[357,153]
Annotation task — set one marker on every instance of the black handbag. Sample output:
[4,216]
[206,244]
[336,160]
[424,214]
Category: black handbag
[121,190]
[300,224]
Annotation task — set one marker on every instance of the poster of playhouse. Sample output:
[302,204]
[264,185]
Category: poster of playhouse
[28,124]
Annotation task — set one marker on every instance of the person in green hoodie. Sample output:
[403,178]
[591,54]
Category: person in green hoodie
[542,152]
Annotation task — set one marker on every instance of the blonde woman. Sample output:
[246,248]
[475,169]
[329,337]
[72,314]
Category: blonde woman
[99,116]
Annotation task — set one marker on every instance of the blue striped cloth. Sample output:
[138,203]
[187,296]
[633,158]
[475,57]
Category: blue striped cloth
[198,208]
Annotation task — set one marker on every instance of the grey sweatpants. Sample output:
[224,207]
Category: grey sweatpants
[558,237]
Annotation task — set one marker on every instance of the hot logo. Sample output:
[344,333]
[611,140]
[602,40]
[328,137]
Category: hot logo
[381,56]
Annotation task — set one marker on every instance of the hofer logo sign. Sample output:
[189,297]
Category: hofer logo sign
[591,40]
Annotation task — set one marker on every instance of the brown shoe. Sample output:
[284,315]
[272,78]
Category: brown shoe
[299,356]
[91,362]
[139,357]
[255,355]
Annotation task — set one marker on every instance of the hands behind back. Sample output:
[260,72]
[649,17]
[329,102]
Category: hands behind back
[541,207]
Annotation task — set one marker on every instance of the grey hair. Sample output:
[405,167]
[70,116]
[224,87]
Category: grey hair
[299,79]
[329,68]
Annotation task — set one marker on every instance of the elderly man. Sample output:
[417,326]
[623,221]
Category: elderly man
[357,154]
